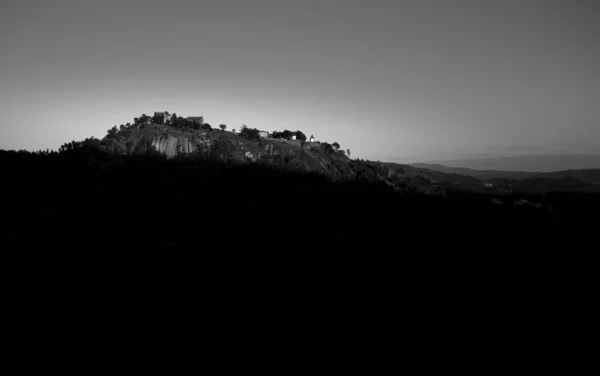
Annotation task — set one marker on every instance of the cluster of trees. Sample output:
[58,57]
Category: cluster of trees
[180,122]
[172,119]
[222,149]
[249,133]
[286,134]
[144,119]
[91,142]
[335,147]
[122,131]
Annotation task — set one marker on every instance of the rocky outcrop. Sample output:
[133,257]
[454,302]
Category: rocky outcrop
[306,157]
[172,145]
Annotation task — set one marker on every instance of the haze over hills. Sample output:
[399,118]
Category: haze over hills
[587,180]
[585,175]
[527,163]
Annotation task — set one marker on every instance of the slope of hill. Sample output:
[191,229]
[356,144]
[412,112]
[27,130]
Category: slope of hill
[288,155]
[586,176]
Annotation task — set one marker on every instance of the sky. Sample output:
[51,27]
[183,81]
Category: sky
[404,81]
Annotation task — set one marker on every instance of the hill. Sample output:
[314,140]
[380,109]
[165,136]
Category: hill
[529,163]
[288,155]
[478,174]
[585,175]
[513,181]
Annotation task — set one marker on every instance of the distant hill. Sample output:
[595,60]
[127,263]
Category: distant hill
[479,174]
[528,163]
[586,176]
[511,181]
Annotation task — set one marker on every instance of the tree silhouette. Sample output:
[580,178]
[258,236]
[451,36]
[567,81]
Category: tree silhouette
[223,127]
[327,147]
[250,133]
[112,132]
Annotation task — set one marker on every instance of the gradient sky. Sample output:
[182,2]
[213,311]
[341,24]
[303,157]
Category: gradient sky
[391,80]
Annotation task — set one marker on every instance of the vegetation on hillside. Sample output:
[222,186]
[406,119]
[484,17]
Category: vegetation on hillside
[82,197]
[287,134]
[250,133]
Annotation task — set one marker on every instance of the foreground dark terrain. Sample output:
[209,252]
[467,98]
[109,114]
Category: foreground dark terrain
[86,199]
[94,234]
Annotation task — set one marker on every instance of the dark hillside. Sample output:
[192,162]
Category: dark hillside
[87,199]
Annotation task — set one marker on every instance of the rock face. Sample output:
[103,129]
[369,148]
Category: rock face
[172,145]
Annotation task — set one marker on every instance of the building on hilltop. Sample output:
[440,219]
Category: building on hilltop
[312,138]
[161,117]
[263,134]
[196,119]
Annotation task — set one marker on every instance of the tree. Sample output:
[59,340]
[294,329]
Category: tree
[158,119]
[112,132]
[250,133]
[287,134]
[222,149]
[336,146]
[327,147]
[300,136]
[180,122]
[223,127]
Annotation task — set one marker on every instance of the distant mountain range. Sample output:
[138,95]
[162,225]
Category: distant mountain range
[530,163]
[585,175]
